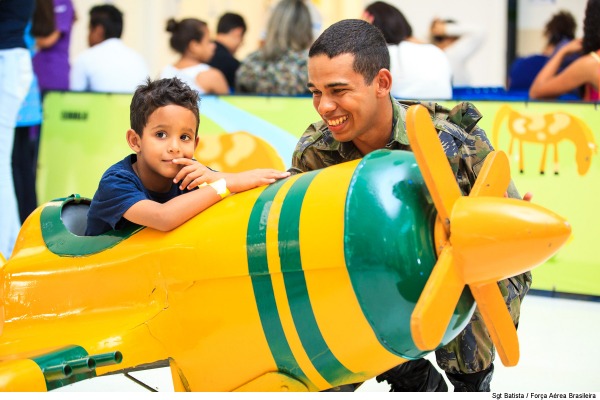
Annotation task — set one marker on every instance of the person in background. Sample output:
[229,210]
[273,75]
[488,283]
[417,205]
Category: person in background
[559,31]
[16,75]
[191,39]
[108,65]
[460,42]
[231,29]
[583,73]
[48,40]
[315,17]
[279,66]
[51,27]
[25,148]
[419,70]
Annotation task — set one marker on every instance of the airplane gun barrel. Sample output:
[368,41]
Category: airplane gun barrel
[82,365]
[105,359]
[57,372]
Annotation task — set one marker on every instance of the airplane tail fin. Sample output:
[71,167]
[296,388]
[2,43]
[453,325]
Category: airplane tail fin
[487,238]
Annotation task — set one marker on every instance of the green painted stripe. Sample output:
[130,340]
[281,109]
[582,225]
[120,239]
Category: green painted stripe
[262,284]
[295,283]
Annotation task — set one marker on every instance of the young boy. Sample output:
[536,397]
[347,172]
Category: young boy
[161,186]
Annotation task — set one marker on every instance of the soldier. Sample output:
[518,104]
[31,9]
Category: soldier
[350,81]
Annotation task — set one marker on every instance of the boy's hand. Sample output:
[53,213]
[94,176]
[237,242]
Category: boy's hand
[246,180]
[192,174]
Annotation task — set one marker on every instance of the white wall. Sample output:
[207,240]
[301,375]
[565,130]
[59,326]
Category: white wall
[487,66]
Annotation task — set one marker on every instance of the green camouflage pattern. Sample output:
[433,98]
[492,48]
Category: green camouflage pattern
[285,76]
[466,146]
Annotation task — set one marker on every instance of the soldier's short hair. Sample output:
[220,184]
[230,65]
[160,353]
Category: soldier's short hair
[359,38]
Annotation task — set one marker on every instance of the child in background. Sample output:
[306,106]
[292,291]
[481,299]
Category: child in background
[161,186]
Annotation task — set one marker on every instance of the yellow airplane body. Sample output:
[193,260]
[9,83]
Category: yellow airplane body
[303,285]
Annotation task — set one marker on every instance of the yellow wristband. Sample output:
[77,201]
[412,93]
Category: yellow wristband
[220,186]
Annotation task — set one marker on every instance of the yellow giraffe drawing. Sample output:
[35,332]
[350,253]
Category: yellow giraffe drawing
[547,129]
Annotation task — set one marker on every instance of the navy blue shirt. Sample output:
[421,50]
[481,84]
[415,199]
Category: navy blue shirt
[118,190]
[224,61]
[14,17]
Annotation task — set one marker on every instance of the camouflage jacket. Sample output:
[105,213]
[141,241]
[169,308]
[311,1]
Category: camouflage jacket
[465,144]
[285,76]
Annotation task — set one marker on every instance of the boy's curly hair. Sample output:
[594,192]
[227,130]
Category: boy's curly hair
[159,93]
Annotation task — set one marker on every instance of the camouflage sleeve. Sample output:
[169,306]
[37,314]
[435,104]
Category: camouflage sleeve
[465,115]
[513,193]
[303,158]
[466,145]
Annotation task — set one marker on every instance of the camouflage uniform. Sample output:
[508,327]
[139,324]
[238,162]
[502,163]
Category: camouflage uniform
[285,76]
[466,146]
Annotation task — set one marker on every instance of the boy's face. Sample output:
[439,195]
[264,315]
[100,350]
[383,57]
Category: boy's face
[170,133]
[350,108]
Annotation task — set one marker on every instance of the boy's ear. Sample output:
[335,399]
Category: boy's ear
[196,141]
[133,140]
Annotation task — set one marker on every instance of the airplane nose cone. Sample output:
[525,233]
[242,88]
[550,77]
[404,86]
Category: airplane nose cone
[496,238]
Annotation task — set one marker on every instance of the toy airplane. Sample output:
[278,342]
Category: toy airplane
[323,279]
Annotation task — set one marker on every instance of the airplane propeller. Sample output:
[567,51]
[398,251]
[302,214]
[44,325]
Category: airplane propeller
[482,238]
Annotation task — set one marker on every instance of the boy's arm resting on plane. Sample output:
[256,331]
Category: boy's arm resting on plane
[241,181]
[168,216]
[194,174]
[171,214]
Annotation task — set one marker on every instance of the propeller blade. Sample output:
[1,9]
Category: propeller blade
[437,302]
[432,161]
[494,177]
[498,321]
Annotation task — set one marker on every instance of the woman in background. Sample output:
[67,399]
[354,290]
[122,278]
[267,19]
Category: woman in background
[559,31]
[280,65]
[51,28]
[190,38]
[419,70]
[16,75]
[582,73]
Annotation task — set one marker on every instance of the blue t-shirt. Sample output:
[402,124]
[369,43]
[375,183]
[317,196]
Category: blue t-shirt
[118,190]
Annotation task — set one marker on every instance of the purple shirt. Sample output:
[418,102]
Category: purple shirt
[51,65]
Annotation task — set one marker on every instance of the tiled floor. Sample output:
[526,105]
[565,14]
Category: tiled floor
[560,352]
